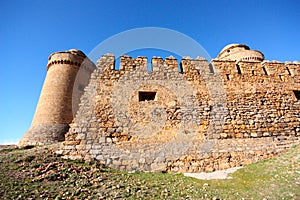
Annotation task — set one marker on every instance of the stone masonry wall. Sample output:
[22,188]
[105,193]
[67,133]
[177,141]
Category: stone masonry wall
[189,121]
[262,118]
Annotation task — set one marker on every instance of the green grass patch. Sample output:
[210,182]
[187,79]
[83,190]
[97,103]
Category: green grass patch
[39,173]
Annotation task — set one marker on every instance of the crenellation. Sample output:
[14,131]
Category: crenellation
[256,71]
[193,66]
[72,57]
[202,66]
[128,63]
[295,70]
[271,68]
[156,63]
[251,69]
[106,62]
[172,63]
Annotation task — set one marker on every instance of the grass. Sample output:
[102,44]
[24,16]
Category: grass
[38,173]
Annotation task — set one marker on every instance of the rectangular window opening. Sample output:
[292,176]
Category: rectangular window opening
[289,71]
[238,69]
[228,77]
[211,69]
[281,77]
[147,96]
[297,94]
[180,69]
[265,71]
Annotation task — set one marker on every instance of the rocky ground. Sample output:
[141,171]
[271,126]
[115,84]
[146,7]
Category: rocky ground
[38,173]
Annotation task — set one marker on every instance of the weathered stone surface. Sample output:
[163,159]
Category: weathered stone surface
[204,117]
[67,74]
[192,121]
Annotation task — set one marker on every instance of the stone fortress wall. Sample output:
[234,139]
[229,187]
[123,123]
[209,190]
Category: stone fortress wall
[189,117]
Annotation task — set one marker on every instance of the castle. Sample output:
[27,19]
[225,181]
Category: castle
[187,117]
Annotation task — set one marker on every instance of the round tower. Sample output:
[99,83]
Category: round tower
[240,52]
[54,110]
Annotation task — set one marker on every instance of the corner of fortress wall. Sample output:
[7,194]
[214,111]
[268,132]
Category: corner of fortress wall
[242,113]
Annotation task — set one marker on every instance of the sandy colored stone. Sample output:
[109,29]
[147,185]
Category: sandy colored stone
[237,110]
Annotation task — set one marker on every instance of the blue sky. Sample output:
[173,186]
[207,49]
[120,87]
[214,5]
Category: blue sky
[31,30]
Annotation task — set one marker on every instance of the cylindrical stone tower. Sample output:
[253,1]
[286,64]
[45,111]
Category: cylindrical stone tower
[67,74]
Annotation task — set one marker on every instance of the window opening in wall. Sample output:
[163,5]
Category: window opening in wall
[211,68]
[238,69]
[253,72]
[180,70]
[147,96]
[228,77]
[117,64]
[265,71]
[288,71]
[281,77]
[297,94]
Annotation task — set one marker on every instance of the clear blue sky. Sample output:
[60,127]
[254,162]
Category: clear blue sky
[31,30]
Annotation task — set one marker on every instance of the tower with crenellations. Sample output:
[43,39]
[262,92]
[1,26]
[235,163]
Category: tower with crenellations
[59,98]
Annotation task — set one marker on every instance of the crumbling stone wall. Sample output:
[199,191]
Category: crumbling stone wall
[262,118]
[260,99]
[193,120]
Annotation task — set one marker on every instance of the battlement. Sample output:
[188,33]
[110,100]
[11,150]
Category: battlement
[70,57]
[267,70]
[127,63]
[231,70]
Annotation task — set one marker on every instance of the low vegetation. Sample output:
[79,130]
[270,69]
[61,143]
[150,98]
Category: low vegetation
[38,173]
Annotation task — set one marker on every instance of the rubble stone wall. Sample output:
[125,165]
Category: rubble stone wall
[186,118]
